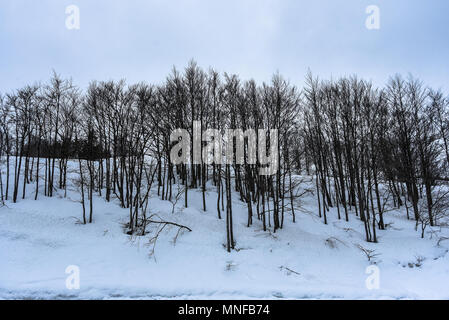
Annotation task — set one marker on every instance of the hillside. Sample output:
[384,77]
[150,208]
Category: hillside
[306,259]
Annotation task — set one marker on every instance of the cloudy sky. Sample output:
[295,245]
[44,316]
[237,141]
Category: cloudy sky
[143,39]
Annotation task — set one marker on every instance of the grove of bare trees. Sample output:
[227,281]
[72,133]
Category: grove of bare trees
[367,150]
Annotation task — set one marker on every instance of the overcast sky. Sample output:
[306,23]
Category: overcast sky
[143,39]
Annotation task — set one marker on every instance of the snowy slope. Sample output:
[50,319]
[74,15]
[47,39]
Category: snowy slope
[305,260]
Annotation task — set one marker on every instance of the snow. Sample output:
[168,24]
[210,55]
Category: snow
[304,260]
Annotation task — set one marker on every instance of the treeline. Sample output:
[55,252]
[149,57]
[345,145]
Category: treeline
[367,149]
[371,146]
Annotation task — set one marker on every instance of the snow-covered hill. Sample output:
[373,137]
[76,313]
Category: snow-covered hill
[306,259]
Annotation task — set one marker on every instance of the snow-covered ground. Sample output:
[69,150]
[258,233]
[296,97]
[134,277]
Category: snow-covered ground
[304,260]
